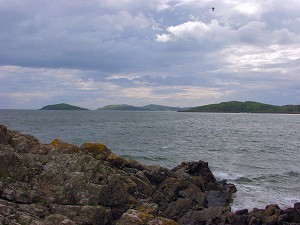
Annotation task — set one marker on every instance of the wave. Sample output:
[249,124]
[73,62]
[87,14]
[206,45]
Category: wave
[145,158]
[241,179]
[277,177]
[293,174]
[220,175]
[246,197]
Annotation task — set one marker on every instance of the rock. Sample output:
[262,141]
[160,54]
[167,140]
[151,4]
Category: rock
[257,213]
[63,147]
[3,129]
[97,150]
[216,198]
[272,209]
[67,222]
[297,212]
[134,217]
[3,134]
[116,161]
[19,143]
[199,168]
[61,183]
[114,193]
[271,220]
[297,207]
[161,221]
[241,212]
[83,214]
[156,174]
[194,193]
[212,215]
[177,208]
[149,208]
[58,219]
[3,139]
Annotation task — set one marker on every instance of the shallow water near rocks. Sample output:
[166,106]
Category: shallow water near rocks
[259,153]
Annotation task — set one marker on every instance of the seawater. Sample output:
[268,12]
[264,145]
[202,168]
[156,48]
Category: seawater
[259,153]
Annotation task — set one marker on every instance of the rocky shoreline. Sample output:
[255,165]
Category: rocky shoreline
[60,183]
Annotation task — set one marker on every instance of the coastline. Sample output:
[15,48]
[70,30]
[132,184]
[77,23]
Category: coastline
[56,182]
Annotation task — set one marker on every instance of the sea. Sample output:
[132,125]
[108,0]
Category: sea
[259,153]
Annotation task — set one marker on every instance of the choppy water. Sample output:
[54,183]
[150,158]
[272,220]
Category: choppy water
[259,153]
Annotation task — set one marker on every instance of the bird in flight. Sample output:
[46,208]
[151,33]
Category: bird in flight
[212,8]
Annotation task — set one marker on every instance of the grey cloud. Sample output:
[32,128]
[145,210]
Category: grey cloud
[67,50]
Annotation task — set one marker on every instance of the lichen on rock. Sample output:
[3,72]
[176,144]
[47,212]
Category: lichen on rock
[61,183]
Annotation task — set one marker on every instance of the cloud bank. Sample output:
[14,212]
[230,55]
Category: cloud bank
[170,52]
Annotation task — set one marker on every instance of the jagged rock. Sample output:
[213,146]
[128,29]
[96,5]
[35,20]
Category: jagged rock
[97,215]
[64,147]
[199,169]
[114,193]
[58,219]
[61,183]
[97,150]
[3,138]
[135,217]
[206,216]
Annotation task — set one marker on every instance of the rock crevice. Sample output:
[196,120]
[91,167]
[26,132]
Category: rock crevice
[61,183]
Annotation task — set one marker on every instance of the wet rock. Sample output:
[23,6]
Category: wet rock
[212,215]
[156,174]
[297,207]
[177,208]
[272,210]
[60,183]
[3,139]
[199,168]
[114,193]
[194,193]
[3,129]
[241,212]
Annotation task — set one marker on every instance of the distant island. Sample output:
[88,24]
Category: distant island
[62,106]
[150,107]
[246,107]
[223,107]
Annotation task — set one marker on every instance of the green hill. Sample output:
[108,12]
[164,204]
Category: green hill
[62,106]
[245,107]
[153,107]
[150,107]
[119,107]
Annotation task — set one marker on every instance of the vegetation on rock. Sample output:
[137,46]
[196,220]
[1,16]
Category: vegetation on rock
[62,106]
[61,183]
[245,107]
[150,107]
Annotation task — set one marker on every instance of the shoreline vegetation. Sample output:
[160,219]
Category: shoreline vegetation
[223,107]
[61,183]
[62,106]
[246,107]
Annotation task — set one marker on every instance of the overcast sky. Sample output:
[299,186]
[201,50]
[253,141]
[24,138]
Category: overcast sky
[92,53]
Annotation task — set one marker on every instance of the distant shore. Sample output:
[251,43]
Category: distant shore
[223,107]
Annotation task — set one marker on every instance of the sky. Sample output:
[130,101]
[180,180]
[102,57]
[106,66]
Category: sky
[93,53]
